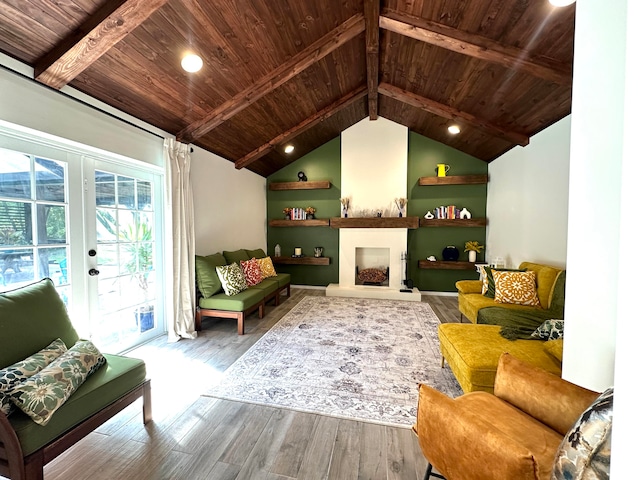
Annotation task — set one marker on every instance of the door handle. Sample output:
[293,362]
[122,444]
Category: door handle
[93,272]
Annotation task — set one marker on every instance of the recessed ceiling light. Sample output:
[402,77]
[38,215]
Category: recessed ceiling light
[561,3]
[191,62]
[454,129]
[289,148]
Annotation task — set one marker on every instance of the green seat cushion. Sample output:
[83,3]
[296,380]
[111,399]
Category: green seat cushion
[270,281]
[258,253]
[284,279]
[111,381]
[31,318]
[206,275]
[267,286]
[236,256]
[235,303]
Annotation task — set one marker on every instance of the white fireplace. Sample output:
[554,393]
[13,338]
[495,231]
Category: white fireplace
[373,174]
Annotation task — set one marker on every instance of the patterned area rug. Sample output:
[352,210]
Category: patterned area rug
[345,357]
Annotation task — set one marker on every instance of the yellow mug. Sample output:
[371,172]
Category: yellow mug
[442,169]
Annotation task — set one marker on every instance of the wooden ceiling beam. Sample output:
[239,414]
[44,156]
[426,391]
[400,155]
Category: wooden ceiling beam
[451,113]
[372,36]
[110,24]
[303,126]
[475,46]
[282,74]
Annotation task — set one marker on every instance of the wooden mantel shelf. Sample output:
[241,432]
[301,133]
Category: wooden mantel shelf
[450,222]
[375,222]
[454,180]
[446,265]
[316,222]
[302,260]
[300,185]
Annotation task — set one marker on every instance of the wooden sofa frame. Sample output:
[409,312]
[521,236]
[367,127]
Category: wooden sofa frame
[14,465]
[239,316]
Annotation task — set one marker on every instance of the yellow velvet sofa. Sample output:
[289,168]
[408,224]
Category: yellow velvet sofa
[471,300]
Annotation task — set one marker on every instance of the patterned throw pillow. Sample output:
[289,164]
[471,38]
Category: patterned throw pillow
[232,279]
[252,272]
[266,265]
[41,395]
[585,451]
[549,330]
[488,283]
[516,287]
[22,370]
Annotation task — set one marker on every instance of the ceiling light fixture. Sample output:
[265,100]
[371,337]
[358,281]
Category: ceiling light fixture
[289,148]
[191,62]
[561,3]
[454,129]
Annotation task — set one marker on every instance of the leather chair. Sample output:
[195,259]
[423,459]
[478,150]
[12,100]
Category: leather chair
[511,434]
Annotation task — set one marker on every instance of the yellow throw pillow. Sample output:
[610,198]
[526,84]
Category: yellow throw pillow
[516,288]
[266,267]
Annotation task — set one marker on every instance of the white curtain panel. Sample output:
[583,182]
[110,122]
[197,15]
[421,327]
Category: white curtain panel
[178,164]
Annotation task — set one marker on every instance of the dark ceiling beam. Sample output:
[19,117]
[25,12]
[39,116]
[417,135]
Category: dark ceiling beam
[451,113]
[110,24]
[475,46]
[372,36]
[282,74]
[303,126]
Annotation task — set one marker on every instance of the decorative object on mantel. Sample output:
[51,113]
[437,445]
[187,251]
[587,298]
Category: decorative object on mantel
[449,212]
[317,252]
[432,258]
[297,252]
[302,177]
[310,211]
[278,250]
[345,206]
[429,216]
[287,212]
[464,213]
[450,253]
[401,203]
[473,247]
[442,169]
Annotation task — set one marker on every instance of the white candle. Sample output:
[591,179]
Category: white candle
[298,251]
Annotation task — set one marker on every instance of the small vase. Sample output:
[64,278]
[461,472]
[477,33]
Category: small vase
[399,214]
[472,256]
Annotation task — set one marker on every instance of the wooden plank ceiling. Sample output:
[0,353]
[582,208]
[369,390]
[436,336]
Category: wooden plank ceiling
[300,72]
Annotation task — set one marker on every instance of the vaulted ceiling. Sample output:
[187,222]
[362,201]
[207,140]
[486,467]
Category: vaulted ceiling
[301,71]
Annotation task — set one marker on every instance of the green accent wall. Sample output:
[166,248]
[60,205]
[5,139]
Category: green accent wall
[323,163]
[424,155]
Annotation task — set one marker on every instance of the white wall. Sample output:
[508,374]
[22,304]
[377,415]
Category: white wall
[230,205]
[527,200]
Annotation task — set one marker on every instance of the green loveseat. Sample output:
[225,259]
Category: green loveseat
[214,302]
[30,319]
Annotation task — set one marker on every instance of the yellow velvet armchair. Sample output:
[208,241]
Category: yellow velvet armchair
[511,434]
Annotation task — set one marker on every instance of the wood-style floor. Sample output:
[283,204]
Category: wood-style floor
[194,437]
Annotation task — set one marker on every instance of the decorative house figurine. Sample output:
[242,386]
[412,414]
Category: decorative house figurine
[464,213]
[429,215]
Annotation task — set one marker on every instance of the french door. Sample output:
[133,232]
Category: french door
[94,226]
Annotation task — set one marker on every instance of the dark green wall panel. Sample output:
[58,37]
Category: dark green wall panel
[321,164]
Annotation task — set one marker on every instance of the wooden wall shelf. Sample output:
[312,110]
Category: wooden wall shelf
[446,265]
[457,222]
[374,222]
[301,260]
[455,180]
[300,185]
[316,222]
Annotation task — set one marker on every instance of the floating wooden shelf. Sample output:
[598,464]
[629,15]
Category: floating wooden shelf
[316,222]
[458,222]
[302,260]
[446,265]
[375,222]
[455,180]
[300,185]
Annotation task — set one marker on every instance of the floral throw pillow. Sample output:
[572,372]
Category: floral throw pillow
[252,272]
[22,370]
[266,265]
[549,330]
[516,288]
[41,395]
[232,279]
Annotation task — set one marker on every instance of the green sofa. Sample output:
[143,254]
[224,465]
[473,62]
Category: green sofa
[30,318]
[214,302]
